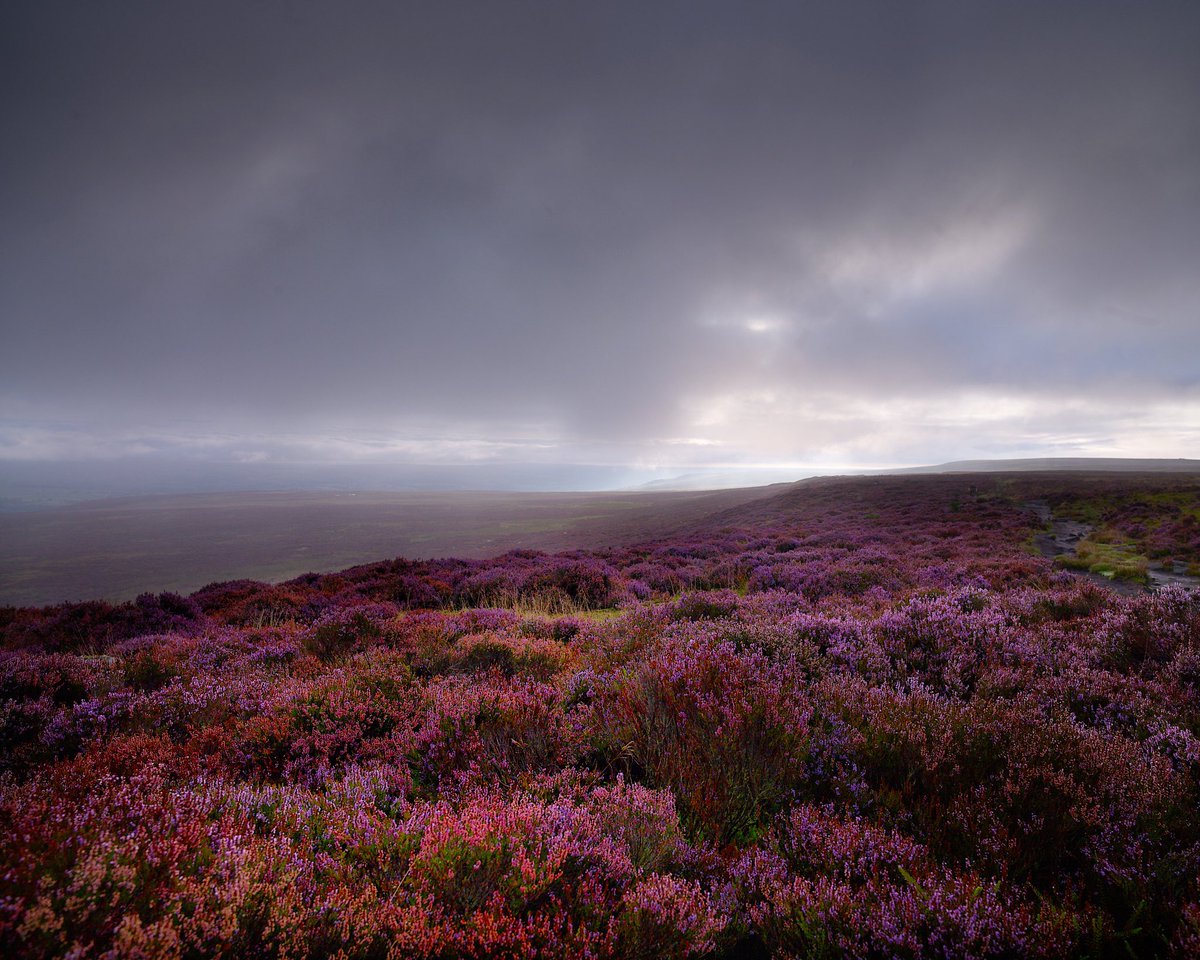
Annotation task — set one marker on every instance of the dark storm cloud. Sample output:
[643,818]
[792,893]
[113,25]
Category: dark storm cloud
[778,231]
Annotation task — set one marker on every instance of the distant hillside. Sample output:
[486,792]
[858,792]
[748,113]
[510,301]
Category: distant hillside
[118,548]
[1124,464]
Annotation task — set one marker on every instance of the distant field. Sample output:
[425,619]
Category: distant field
[116,549]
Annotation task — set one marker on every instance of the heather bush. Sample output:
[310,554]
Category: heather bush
[340,632]
[827,886]
[723,728]
[1025,796]
[490,730]
[847,721]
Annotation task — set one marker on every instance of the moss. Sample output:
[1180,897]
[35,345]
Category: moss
[1099,554]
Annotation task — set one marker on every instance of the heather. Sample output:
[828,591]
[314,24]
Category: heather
[1134,527]
[857,719]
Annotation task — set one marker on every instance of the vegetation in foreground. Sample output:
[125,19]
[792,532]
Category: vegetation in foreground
[857,720]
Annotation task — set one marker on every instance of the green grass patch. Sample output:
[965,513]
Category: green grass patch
[535,611]
[603,615]
[1090,511]
[1103,554]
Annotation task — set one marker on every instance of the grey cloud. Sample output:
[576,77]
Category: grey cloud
[567,220]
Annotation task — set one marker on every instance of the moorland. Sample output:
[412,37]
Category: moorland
[851,717]
[116,548]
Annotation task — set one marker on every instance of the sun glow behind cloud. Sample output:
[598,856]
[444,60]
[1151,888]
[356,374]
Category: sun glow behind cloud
[441,239]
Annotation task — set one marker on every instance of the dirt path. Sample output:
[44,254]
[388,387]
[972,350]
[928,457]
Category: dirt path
[1064,537]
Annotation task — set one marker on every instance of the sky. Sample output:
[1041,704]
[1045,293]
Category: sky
[625,240]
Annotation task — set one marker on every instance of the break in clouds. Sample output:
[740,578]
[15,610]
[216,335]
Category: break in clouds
[677,235]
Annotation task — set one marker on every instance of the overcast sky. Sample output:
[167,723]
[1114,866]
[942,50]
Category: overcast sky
[668,236]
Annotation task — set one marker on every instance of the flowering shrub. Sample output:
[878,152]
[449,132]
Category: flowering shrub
[830,886]
[856,719]
[725,729]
